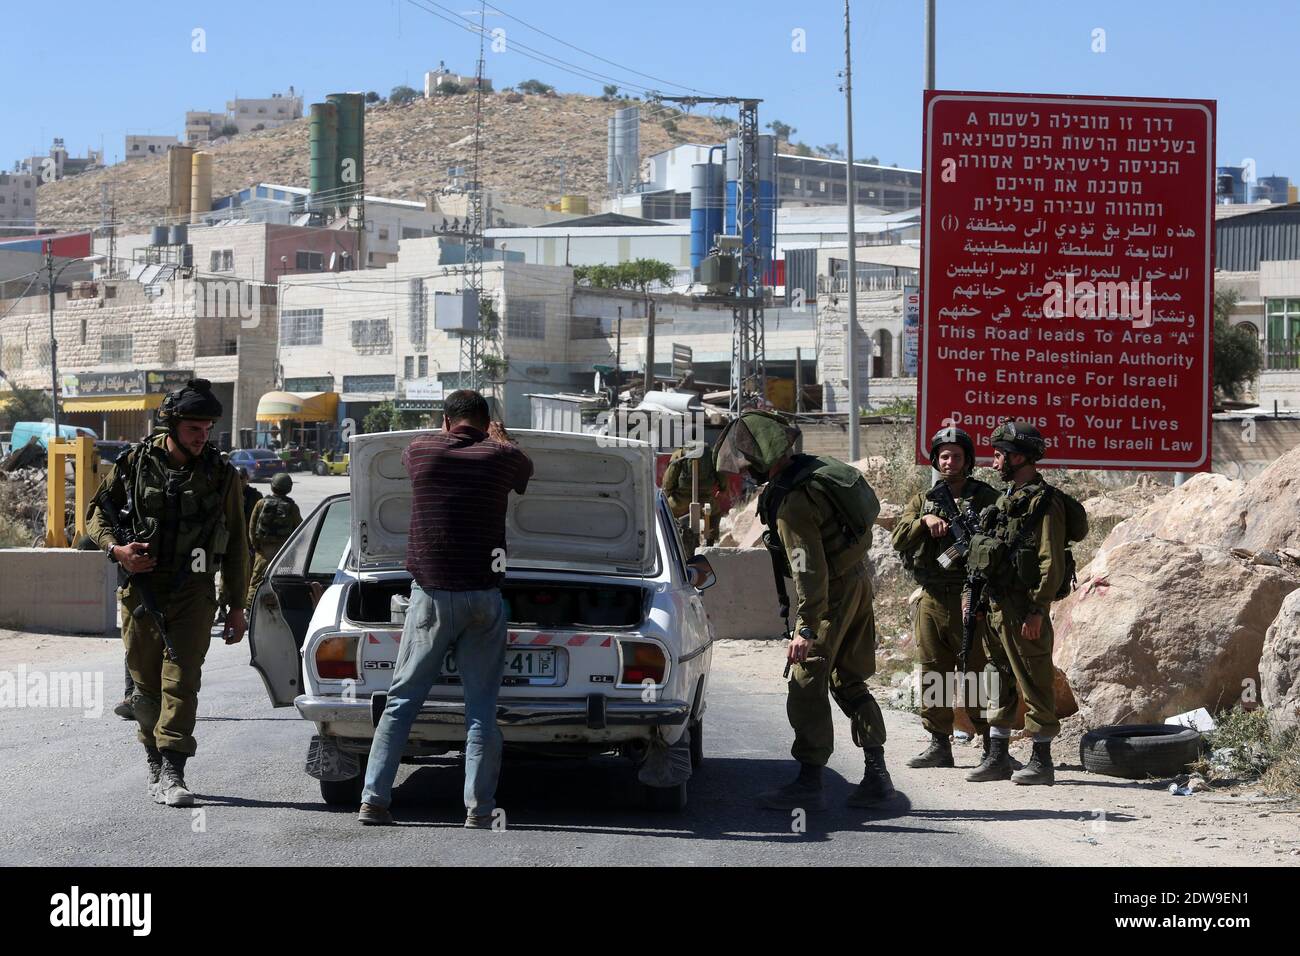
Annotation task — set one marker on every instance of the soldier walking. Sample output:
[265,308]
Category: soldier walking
[175,517]
[819,512]
[273,519]
[924,538]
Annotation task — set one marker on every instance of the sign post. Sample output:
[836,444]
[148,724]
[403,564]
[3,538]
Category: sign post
[1067,275]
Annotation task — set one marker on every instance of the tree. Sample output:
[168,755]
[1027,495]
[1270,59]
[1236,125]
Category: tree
[670,127]
[781,130]
[637,275]
[450,88]
[229,129]
[831,150]
[1237,358]
[402,95]
[610,91]
[385,417]
[870,160]
[373,97]
[536,86]
[801,149]
[24,405]
[725,121]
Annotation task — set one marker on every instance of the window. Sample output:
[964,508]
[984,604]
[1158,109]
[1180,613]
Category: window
[13,357]
[409,232]
[369,383]
[526,319]
[43,354]
[383,232]
[424,366]
[1282,338]
[586,327]
[313,383]
[307,261]
[2,200]
[167,351]
[221,260]
[302,326]
[115,348]
[372,336]
[409,367]
[83,331]
[417,312]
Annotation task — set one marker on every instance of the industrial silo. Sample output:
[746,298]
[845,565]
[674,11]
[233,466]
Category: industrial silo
[351,159]
[323,134]
[732,183]
[611,164]
[706,208]
[201,186]
[627,147]
[179,182]
[766,197]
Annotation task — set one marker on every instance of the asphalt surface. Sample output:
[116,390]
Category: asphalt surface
[309,490]
[73,792]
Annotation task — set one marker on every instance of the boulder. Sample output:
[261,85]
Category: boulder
[1157,627]
[1279,666]
[889,515]
[884,562]
[1102,507]
[744,529]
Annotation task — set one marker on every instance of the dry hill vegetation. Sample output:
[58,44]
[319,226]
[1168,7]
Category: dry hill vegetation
[408,151]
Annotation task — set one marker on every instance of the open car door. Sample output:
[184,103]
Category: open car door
[282,608]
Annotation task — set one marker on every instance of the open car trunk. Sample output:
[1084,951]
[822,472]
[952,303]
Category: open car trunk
[528,604]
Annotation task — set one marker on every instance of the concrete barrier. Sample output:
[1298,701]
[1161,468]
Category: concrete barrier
[743,604]
[58,589]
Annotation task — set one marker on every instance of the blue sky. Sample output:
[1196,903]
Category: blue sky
[93,72]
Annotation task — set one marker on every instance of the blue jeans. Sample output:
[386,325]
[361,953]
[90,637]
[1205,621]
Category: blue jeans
[473,624]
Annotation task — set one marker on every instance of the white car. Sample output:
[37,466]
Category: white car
[609,645]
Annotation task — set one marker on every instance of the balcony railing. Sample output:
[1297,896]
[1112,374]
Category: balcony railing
[1282,355]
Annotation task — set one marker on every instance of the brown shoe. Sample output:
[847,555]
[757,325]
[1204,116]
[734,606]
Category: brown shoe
[375,816]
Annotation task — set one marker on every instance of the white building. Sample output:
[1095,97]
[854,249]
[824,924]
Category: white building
[17,203]
[275,110]
[142,147]
[442,76]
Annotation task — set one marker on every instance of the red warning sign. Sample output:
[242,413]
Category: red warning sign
[1066,270]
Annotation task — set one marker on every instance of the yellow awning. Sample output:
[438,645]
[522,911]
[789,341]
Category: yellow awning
[112,403]
[298,407]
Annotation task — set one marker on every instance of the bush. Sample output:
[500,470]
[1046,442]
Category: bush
[230,129]
[402,95]
[450,88]
[536,87]
[1248,745]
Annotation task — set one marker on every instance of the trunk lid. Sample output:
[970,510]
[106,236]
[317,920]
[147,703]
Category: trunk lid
[589,505]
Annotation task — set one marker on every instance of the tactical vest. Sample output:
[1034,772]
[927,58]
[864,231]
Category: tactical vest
[850,508]
[179,512]
[278,518]
[923,560]
[1009,555]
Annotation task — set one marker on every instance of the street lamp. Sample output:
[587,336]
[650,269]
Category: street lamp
[54,345]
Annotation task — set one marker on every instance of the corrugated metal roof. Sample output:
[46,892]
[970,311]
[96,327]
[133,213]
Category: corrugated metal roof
[1242,241]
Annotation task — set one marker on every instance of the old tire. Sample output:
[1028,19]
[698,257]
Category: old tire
[1139,751]
[322,469]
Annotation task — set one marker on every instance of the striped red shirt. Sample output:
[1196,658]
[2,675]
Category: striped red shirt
[460,481]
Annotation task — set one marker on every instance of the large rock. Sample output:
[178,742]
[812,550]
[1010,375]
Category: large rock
[886,566]
[1260,514]
[1157,627]
[1279,667]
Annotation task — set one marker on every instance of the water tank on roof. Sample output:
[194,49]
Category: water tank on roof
[178,235]
[157,235]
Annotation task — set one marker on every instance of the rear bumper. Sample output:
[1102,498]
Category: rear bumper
[595,712]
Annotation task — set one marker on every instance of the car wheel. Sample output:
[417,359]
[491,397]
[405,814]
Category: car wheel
[344,793]
[322,469]
[1139,751]
[665,799]
[697,743]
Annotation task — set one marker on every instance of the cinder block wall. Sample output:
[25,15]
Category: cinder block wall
[58,589]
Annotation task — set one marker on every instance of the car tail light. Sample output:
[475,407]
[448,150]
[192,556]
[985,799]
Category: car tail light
[642,662]
[336,658]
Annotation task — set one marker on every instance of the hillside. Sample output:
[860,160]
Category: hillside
[408,151]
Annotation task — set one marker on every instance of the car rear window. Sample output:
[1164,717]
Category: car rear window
[264,454]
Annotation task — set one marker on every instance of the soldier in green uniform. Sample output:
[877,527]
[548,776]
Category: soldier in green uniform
[1024,558]
[677,487]
[273,519]
[923,536]
[182,509]
[819,513]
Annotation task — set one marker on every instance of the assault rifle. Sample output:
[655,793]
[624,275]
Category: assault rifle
[964,525]
[147,607]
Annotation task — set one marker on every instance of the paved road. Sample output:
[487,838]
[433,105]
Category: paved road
[309,490]
[72,788]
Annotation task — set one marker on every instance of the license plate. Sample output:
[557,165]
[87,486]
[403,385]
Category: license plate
[522,663]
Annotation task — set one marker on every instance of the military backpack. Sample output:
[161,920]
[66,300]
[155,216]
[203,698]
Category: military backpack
[277,520]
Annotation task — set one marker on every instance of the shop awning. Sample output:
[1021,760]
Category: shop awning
[298,407]
[112,403]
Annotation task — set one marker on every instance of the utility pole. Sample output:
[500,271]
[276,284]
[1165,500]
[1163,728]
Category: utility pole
[929,44]
[850,346]
[54,346]
[475,345]
[649,346]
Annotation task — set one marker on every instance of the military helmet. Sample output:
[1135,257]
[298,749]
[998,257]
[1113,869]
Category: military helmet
[1019,436]
[952,435]
[754,442]
[193,400]
[282,484]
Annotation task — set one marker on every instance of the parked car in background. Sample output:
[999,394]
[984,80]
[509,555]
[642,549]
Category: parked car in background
[609,645]
[109,450]
[41,431]
[262,463]
[6,444]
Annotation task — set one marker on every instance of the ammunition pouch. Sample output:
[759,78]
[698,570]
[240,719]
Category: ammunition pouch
[987,554]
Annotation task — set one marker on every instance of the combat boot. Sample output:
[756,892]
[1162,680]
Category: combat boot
[997,762]
[1039,770]
[171,788]
[876,786]
[154,759]
[125,710]
[802,793]
[938,754]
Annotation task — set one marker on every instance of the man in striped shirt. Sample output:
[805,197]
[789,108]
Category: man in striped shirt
[461,478]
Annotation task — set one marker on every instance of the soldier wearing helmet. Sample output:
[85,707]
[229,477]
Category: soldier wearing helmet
[924,539]
[1026,565]
[274,518]
[819,513]
[182,508]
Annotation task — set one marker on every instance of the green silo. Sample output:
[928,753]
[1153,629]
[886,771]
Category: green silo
[324,133]
[350,162]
